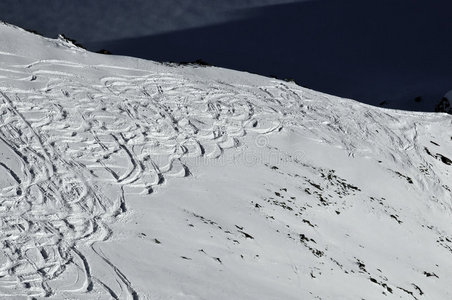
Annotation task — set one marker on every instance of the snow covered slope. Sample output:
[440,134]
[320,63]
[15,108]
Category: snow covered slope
[127,179]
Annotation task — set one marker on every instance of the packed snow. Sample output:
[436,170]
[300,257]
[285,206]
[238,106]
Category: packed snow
[123,178]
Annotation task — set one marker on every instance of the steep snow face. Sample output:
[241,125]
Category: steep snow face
[127,179]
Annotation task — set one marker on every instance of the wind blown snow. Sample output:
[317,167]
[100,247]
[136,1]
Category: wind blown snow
[128,179]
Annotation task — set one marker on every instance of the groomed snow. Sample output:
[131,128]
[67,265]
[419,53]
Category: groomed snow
[127,179]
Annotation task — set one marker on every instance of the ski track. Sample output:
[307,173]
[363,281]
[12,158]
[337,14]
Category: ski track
[73,136]
[80,142]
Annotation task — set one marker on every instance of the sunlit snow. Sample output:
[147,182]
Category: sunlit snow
[127,179]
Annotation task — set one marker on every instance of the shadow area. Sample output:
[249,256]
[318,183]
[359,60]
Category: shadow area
[392,53]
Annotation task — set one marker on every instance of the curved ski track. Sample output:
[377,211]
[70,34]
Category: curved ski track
[79,143]
[82,140]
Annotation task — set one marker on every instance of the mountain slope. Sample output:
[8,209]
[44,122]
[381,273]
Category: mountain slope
[128,179]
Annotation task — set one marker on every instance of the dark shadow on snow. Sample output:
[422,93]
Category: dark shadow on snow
[396,52]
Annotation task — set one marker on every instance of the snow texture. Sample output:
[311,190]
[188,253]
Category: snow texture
[127,179]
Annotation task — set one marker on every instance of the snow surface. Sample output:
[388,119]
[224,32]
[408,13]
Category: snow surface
[128,179]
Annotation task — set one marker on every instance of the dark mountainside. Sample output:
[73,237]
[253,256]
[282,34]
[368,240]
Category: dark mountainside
[378,52]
